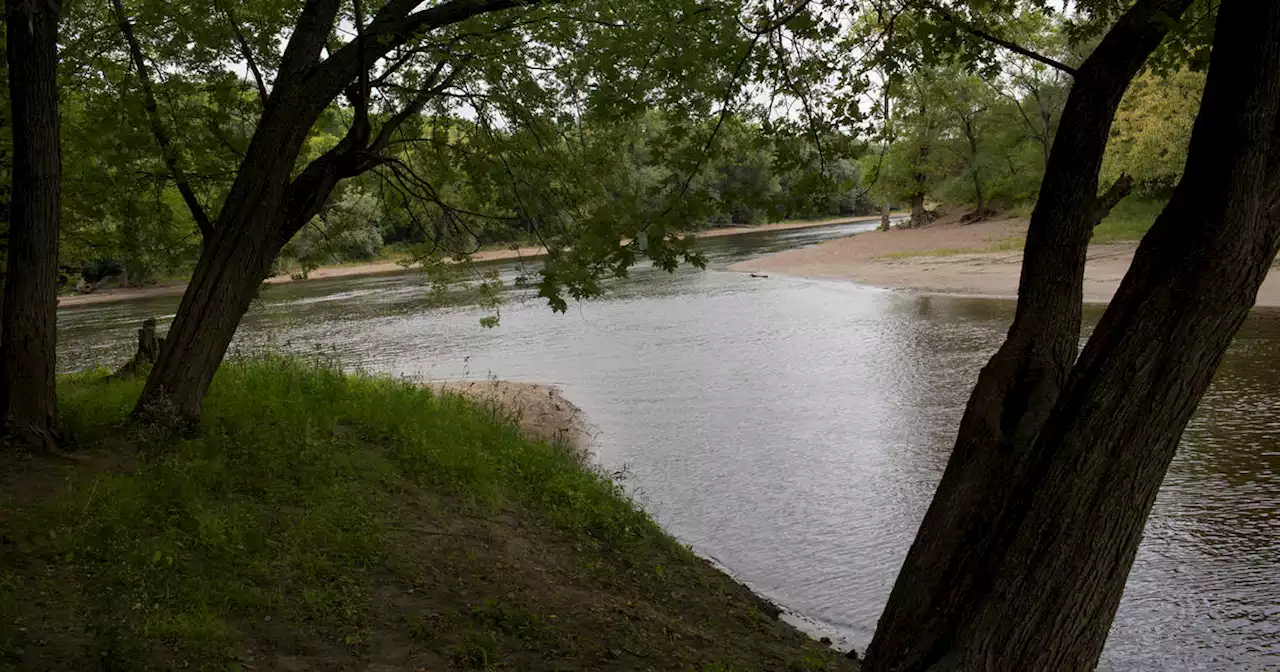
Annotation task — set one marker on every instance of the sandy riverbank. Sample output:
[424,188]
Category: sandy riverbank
[380,267]
[541,411]
[946,257]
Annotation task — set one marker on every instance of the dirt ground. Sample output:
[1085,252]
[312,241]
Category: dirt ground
[379,267]
[948,257]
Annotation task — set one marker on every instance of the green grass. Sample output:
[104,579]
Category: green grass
[330,521]
[1128,221]
[1010,244]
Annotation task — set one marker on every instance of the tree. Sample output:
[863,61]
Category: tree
[543,89]
[909,168]
[27,329]
[968,104]
[1152,129]
[267,202]
[1021,560]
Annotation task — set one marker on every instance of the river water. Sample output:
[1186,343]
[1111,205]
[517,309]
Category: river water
[794,430]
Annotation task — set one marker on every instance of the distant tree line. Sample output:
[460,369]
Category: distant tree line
[979,138]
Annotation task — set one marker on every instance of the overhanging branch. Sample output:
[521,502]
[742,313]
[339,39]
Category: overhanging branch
[999,41]
[247,52]
[167,150]
[1111,198]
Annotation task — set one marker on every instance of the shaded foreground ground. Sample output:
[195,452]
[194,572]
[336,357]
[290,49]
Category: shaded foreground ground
[387,266]
[948,257]
[323,521]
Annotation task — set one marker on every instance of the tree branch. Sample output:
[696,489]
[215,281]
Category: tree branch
[361,98]
[309,37]
[414,107]
[1111,198]
[1015,48]
[394,25]
[167,150]
[247,52]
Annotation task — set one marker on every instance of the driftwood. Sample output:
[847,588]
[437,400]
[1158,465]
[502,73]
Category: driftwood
[148,351]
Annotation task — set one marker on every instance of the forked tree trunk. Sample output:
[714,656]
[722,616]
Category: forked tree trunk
[268,203]
[27,402]
[946,574]
[247,236]
[1080,499]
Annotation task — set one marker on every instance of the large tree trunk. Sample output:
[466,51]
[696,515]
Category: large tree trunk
[946,574]
[30,306]
[1081,497]
[247,236]
[980,213]
[919,216]
[979,195]
[224,284]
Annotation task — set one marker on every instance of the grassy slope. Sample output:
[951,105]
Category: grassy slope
[325,522]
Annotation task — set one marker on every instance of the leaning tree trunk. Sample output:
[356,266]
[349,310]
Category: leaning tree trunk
[268,203]
[945,575]
[1078,502]
[27,401]
[247,236]
[225,281]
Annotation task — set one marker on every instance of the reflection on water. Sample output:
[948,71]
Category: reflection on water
[795,430]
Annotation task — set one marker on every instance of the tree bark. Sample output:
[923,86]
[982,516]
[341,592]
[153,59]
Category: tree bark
[267,203]
[1080,499]
[30,306]
[920,216]
[948,572]
[979,194]
[980,212]
[246,239]
[884,216]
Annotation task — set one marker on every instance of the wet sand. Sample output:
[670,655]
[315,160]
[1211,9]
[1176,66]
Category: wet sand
[380,267]
[947,257]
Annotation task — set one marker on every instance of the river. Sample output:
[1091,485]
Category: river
[794,430]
